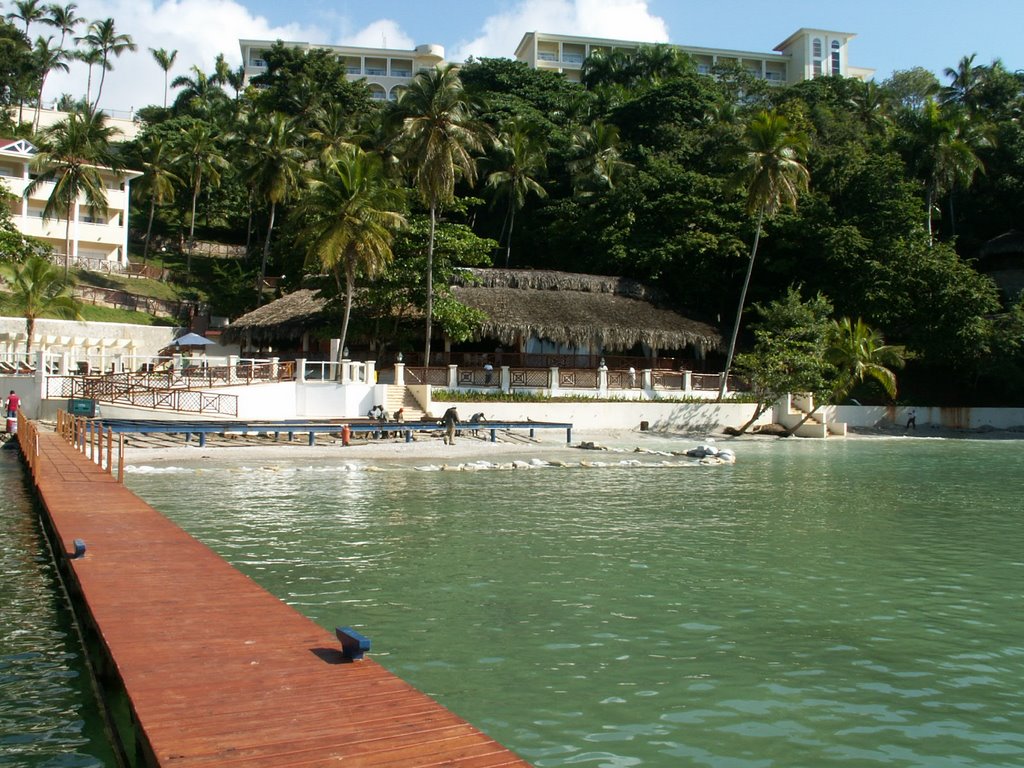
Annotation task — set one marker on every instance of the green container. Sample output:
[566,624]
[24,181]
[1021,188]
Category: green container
[82,406]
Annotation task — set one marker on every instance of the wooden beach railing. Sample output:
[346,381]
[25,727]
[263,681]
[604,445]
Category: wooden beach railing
[212,669]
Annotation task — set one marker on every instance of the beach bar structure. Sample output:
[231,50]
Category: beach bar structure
[200,666]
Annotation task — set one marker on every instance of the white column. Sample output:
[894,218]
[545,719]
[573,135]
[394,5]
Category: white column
[453,376]
[399,374]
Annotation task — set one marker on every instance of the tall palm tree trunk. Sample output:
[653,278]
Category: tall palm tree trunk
[192,230]
[511,224]
[430,284]
[350,280]
[266,256]
[149,231]
[67,239]
[739,310]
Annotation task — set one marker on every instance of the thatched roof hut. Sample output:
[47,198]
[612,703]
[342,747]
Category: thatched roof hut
[613,313]
[287,318]
[1002,259]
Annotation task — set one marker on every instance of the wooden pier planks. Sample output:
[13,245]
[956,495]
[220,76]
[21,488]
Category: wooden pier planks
[218,671]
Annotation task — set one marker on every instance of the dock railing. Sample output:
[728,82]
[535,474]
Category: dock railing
[93,440]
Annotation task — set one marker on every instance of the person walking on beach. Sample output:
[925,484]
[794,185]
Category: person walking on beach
[912,419]
[451,419]
[13,401]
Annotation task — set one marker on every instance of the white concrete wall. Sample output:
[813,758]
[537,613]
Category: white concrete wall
[687,417]
[930,416]
[149,339]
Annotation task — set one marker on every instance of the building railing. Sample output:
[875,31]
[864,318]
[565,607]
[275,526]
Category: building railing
[601,381]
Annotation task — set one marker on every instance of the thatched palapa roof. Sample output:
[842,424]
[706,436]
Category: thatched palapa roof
[288,317]
[612,312]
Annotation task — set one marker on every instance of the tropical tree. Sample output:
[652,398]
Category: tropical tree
[440,137]
[199,157]
[47,60]
[350,213]
[26,11]
[200,95]
[859,353]
[104,37]
[164,60]
[515,162]
[789,351]
[596,163]
[945,152]
[70,155]
[63,17]
[158,180]
[274,174]
[855,353]
[91,57]
[37,289]
[773,176]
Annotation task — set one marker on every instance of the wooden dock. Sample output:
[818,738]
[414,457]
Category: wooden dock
[216,671]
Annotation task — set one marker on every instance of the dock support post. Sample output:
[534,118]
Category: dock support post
[568,435]
[408,435]
[494,435]
[202,439]
[312,437]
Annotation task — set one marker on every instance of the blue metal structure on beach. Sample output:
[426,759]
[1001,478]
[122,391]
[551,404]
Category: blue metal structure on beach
[312,427]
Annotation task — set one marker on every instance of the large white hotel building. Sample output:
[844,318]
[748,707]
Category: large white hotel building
[805,54]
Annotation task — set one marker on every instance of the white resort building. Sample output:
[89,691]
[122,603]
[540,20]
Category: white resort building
[98,238]
[384,69]
[805,54]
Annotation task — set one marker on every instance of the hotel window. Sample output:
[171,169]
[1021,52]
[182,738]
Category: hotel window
[817,53]
[836,69]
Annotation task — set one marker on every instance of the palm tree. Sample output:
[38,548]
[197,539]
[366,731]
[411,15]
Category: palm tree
[596,164]
[64,18]
[440,139]
[47,60]
[350,214]
[855,352]
[948,142]
[963,82]
[200,94]
[274,174]
[158,180]
[37,289]
[199,157]
[104,37]
[516,160]
[773,176]
[860,353]
[165,61]
[70,154]
[27,11]
[91,57]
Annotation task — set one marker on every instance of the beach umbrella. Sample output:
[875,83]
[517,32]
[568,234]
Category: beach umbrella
[190,340]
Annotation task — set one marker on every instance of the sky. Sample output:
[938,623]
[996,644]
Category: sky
[891,34]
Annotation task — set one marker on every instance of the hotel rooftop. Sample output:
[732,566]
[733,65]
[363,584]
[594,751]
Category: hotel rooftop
[806,54]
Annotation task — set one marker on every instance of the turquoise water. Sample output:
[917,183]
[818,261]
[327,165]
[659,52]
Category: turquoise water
[49,717]
[853,603]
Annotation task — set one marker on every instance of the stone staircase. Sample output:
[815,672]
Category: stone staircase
[790,410]
[401,397]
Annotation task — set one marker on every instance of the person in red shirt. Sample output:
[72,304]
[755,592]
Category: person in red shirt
[13,401]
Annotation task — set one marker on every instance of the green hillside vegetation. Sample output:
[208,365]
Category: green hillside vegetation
[638,171]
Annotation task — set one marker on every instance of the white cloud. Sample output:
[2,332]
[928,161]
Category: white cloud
[615,19]
[380,34]
[198,29]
